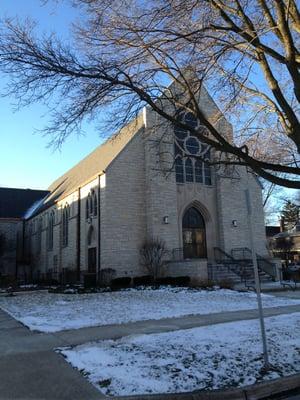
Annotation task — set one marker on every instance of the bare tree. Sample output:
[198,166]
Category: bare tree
[127,52]
[153,254]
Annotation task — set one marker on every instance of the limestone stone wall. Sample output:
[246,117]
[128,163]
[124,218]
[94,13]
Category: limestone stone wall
[232,206]
[196,269]
[123,210]
[160,188]
[88,223]
[55,259]
[11,229]
[138,199]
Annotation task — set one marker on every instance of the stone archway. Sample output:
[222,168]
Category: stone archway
[193,234]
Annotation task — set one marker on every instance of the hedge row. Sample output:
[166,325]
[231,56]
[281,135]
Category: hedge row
[125,282]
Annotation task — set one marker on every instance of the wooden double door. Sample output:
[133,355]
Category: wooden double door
[194,234]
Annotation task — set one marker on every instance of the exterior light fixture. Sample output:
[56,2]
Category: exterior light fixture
[166,219]
[234,223]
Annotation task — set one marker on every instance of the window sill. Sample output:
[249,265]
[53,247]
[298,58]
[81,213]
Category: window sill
[194,183]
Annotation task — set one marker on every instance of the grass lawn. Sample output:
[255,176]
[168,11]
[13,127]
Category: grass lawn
[212,357]
[49,312]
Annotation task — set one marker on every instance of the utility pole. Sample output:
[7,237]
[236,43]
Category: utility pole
[257,283]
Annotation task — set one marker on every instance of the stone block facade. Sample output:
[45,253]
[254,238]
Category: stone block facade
[11,245]
[136,198]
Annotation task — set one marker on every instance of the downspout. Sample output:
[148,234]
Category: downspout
[99,231]
[78,234]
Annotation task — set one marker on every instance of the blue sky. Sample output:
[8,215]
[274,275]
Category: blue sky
[25,160]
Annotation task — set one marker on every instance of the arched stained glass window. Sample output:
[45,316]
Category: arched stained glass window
[199,171]
[39,236]
[189,170]
[87,207]
[190,120]
[50,230]
[179,170]
[190,154]
[95,203]
[65,225]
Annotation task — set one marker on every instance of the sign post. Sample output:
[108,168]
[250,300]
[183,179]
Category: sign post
[257,283]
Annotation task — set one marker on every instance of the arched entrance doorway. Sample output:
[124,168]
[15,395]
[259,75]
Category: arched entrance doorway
[194,236]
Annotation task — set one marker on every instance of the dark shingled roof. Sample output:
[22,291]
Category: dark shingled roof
[272,230]
[95,163]
[15,202]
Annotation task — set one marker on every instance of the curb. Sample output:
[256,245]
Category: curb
[253,392]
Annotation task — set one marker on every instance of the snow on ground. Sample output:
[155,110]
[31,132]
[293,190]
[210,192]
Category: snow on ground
[212,357]
[50,312]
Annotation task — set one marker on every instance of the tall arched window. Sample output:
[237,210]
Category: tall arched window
[189,170]
[91,204]
[65,225]
[50,230]
[95,205]
[192,153]
[87,206]
[91,236]
[179,170]
[199,171]
[193,234]
[39,235]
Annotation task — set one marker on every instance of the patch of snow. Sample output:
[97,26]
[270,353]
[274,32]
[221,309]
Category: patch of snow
[51,312]
[205,358]
[35,206]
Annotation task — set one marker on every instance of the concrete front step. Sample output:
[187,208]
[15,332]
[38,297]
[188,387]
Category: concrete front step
[221,272]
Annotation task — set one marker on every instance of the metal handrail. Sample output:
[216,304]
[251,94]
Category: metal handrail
[239,267]
[264,265]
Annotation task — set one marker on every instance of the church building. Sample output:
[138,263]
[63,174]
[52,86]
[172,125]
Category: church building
[137,186]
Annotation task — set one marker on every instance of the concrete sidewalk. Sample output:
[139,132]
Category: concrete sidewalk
[30,369]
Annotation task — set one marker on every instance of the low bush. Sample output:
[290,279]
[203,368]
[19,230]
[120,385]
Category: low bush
[89,280]
[226,284]
[122,282]
[106,276]
[202,283]
[143,280]
[174,280]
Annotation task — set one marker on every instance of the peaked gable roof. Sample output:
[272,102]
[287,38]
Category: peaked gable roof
[92,165]
[15,202]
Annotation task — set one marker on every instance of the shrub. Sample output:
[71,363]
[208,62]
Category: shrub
[153,253]
[226,284]
[89,280]
[174,280]
[122,282]
[182,280]
[106,276]
[143,280]
[202,283]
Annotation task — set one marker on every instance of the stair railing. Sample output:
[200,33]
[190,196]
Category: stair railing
[264,265]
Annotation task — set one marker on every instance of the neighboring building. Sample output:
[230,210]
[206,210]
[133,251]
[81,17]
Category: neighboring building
[14,203]
[271,231]
[286,245]
[129,190]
